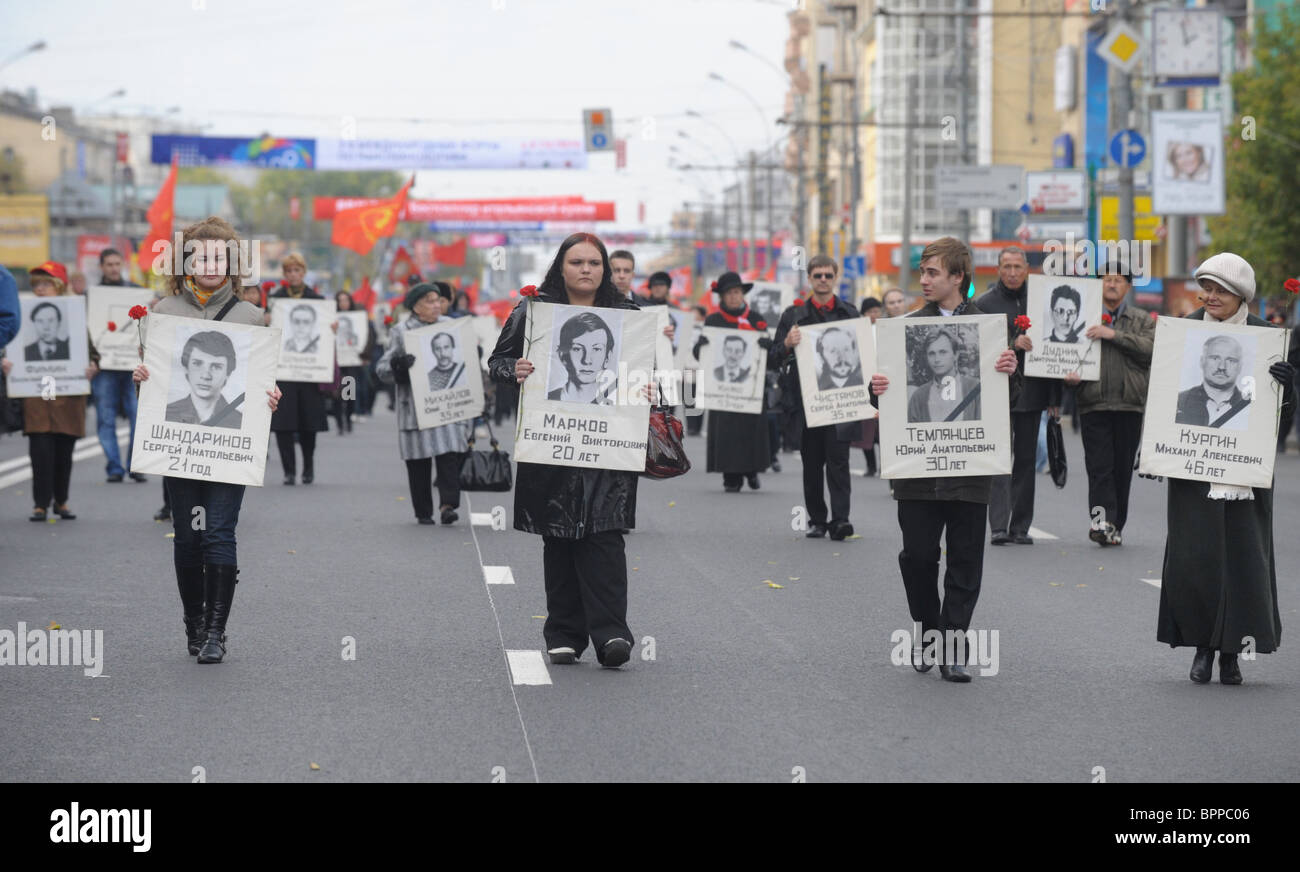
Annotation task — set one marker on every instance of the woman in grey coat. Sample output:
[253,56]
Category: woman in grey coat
[443,446]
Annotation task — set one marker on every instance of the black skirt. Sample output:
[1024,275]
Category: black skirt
[737,444]
[301,408]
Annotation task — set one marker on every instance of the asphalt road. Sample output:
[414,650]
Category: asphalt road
[761,656]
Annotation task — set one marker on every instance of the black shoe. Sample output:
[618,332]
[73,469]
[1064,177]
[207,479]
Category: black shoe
[37,515]
[218,592]
[731,488]
[308,475]
[920,666]
[189,579]
[816,531]
[1098,535]
[1000,539]
[425,521]
[563,656]
[64,513]
[954,673]
[138,477]
[1229,670]
[1022,539]
[288,479]
[615,653]
[776,465]
[449,516]
[752,480]
[841,530]
[163,514]
[114,479]
[1203,666]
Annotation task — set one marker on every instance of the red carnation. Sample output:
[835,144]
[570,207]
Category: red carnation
[138,312]
[799,302]
[1022,322]
[1105,318]
[528,291]
[388,320]
[761,325]
[1292,285]
[112,326]
[713,286]
[1155,315]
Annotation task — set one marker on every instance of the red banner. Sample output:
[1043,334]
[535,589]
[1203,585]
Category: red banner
[359,227]
[159,217]
[325,208]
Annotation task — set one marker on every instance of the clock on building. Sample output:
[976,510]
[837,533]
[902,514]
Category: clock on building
[1186,43]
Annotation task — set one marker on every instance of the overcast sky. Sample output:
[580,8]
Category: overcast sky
[479,68]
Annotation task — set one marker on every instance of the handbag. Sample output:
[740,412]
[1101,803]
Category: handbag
[1056,451]
[486,470]
[665,455]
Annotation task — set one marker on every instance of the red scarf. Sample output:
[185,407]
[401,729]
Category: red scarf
[741,321]
[828,307]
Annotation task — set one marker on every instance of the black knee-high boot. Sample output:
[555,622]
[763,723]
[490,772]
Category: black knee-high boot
[189,579]
[219,590]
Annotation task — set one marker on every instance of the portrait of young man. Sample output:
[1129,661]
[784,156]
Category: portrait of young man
[207,360]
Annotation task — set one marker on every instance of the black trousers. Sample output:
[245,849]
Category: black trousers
[820,450]
[1110,444]
[1011,499]
[922,523]
[419,475]
[284,441]
[51,456]
[586,591]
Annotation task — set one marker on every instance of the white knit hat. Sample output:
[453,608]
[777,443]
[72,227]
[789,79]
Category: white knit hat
[1231,271]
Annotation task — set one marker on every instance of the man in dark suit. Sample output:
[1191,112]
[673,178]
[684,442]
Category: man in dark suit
[841,366]
[208,359]
[733,352]
[1216,401]
[447,373]
[46,319]
[302,337]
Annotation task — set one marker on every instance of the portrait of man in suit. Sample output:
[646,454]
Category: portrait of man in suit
[303,338]
[841,364]
[585,351]
[46,319]
[207,359]
[734,351]
[947,394]
[1217,401]
[448,371]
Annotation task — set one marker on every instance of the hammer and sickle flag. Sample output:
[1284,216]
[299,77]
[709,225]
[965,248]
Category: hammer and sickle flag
[360,227]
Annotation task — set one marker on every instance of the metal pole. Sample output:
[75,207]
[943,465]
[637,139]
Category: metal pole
[1123,110]
[964,80]
[905,244]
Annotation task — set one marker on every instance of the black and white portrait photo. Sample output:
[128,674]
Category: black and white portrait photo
[943,373]
[1217,385]
[1064,310]
[584,357]
[210,388]
[737,360]
[50,329]
[308,341]
[304,329]
[350,341]
[839,364]
[445,362]
[765,305]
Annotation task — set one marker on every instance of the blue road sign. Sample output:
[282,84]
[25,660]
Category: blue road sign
[599,140]
[1128,148]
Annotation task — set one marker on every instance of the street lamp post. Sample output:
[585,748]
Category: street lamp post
[39,45]
[767,136]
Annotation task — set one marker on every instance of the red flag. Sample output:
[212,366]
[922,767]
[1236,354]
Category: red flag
[403,266]
[160,220]
[472,293]
[451,255]
[364,295]
[359,228]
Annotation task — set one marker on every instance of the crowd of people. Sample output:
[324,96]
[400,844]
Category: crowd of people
[1219,582]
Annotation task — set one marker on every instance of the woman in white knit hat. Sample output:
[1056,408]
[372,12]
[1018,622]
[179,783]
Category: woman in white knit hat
[1219,584]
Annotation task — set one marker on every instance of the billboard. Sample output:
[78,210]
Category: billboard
[24,229]
[450,154]
[265,151]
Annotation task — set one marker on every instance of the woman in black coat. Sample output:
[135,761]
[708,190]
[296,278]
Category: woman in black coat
[738,444]
[579,513]
[302,408]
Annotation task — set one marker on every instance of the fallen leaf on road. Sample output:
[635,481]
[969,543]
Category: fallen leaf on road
[54,625]
[169,536]
[835,554]
[1055,583]
[854,536]
[1081,585]
[771,563]
[636,568]
[94,719]
[314,767]
[540,617]
[401,499]
[672,503]
[291,551]
[775,586]
[793,577]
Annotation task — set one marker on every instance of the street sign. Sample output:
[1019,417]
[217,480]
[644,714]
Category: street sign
[1122,47]
[1058,228]
[1145,221]
[1059,191]
[1128,148]
[978,187]
[598,129]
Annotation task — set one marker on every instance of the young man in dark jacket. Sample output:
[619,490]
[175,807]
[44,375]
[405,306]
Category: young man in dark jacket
[959,504]
[821,447]
[1011,499]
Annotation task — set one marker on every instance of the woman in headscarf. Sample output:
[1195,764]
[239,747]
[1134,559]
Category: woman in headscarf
[53,426]
[1218,591]
[206,559]
[423,449]
[737,445]
[302,409]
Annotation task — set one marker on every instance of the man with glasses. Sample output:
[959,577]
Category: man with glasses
[821,447]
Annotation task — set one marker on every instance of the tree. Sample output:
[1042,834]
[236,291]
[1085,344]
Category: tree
[1263,158]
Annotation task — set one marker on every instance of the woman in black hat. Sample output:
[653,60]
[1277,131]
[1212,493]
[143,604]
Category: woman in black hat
[737,444]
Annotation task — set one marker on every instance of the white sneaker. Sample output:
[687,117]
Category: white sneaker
[562,656]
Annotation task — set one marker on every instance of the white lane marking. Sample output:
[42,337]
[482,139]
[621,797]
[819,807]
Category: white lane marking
[1154,582]
[84,449]
[1035,533]
[528,667]
[498,575]
[480,519]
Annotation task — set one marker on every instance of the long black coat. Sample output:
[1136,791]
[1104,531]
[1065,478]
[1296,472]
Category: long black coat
[1219,582]
[562,501]
[302,406]
[737,443]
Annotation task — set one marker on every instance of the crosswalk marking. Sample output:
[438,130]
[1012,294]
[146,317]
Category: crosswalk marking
[528,667]
[1154,582]
[84,449]
[1035,533]
[498,575]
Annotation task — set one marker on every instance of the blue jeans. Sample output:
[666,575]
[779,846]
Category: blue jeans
[114,390]
[214,540]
